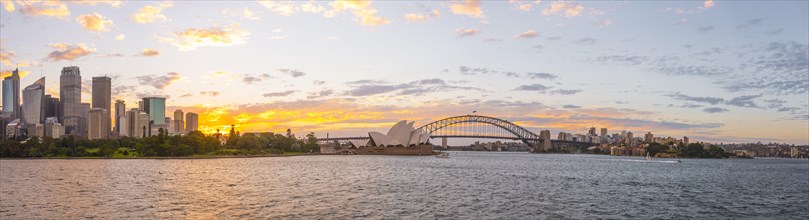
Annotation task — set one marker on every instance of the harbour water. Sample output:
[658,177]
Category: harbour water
[469,185]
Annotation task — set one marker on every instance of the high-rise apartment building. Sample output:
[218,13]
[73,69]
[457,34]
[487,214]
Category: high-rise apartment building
[629,139]
[84,109]
[51,106]
[156,108]
[33,98]
[592,131]
[603,132]
[70,98]
[648,137]
[102,98]
[178,122]
[120,111]
[143,125]
[132,123]
[97,124]
[191,122]
[11,95]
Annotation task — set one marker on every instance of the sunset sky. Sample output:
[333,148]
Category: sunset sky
[716,71]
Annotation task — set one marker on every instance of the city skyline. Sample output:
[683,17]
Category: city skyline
[691,71]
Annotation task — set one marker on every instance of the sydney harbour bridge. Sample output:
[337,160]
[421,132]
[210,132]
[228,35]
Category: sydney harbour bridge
[481,127]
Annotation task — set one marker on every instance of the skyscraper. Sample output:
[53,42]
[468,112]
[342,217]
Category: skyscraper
[84,110]
[97,124]
[603,132]
[51,106]
[685,140]
[122,128]
[132,123]
[120,111]
[11,95]
[179,123]
[143,125]
[648,137]
[156,108]
[102,93]
[592,131]
[33,98]
[629,138]
[191,122]
[70,97]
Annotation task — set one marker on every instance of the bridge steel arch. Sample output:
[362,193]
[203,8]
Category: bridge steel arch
[518,132]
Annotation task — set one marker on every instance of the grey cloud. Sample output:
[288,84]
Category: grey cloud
[714,110]
[565,91]
[250,79]
[571,106]
[159,82]
[366,81]
[711,100]
[366,90]
[532,87]
[547,76]
[320,94]
[744,101]
[318,82]
[777,68]
[586,41]
[622,59]
[292,72]
[751,23]
[418,87]
[554,38]
[279,94]
[788,109]
[465,70]
[774,32]
[685,70]
[705,29]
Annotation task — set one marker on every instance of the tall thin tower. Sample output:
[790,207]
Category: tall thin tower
[70,95]
[102,99]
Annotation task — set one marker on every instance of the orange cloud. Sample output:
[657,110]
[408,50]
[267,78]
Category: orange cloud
[120,37]
[469,8]
[34,8]
[6,57]
[708,4]
[461,32]
[192,38]
[69,52]
[151,13]
[8,5]
[149,52]
[561,7]
[4,74]
[113,3]
[245,13]
[362,10]
[94,22]
[527,35]
[419,17]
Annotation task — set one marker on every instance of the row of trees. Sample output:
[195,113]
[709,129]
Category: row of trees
[162,144]
[272,143]
[692,150]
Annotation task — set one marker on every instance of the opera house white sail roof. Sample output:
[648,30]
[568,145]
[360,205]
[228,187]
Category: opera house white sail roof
[401,134]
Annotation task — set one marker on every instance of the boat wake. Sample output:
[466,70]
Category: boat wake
[653,161]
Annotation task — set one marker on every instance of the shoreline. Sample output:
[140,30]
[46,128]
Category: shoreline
[162,158]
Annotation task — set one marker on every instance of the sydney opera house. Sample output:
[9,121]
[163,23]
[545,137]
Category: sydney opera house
[401,139]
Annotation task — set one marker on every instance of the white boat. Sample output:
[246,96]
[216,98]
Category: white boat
[648,157]
[442,155]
